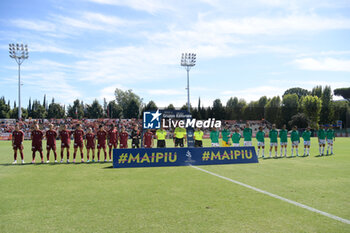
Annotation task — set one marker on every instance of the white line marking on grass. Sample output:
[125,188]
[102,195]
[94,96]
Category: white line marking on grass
[343,220]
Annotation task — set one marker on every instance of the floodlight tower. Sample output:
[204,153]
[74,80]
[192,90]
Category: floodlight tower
[19,52]
[188,60]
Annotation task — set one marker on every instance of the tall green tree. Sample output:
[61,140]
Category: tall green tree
[343,92]
[132,110]
[55,111]
[317,91]
[300,120]
[231,108]
[95,110]
[273,110]
[327,111]
[38,110]
[340,110]
[128,100]
[297,90]
[114,110]
[312,106]
[44,102]
[14,113]
[241,105]
[170,107]
[151,105]
[260,108]
[76,111]
[218,111]
[4,108]
[290,107]
[250,111]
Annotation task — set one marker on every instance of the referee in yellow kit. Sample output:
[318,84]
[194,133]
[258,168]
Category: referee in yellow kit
[198,138]
[160,135]
[179,136]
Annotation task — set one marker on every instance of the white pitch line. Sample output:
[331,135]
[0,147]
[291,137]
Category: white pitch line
[343,220]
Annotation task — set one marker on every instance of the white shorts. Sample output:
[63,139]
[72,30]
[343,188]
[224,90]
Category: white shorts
[295,143]
[284,143]
[235,144]
[322,142]
[215,144]
[330,141]
[273,144]
[307,143]
[247,143]
[261,143]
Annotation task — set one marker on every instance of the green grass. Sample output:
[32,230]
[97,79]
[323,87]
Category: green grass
[96,198]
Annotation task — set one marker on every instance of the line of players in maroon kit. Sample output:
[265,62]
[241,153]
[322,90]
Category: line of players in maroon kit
[103,137]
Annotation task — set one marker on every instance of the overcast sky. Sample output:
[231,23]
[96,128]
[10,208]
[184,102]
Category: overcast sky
[86,48]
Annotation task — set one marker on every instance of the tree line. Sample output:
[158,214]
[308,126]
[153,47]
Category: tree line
[297,106]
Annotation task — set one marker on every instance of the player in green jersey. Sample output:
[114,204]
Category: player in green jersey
[247,134]
[273,134]
[236,136]
[260,136]
[283,134]
[321,134]
[295,138]
[225,133]
[214,137]
[330,139]
[306,136]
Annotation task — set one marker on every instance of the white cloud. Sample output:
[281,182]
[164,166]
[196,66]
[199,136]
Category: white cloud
[324,64]
[254,93]
[35,25]
[108,92]
[272,25]
[150,6]
[165,92]
[47,48]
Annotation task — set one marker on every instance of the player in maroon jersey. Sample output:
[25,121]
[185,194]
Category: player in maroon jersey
[65,141]
[148,138]
[78,135]
[37,142]
[17,143]
[112,140]
[123,139]
[90,144]
[51,135]
[101,142]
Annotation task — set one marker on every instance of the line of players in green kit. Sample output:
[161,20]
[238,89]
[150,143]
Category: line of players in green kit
[323,135]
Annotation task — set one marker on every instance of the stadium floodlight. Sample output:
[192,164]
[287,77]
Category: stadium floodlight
[188,60]
[19,53]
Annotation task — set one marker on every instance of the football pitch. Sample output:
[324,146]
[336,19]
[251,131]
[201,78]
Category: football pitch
[97,198]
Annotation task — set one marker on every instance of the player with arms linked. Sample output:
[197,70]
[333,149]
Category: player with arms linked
[148,139]
[78,142]
[37,142]
[330,137]
[17,143]
[65,135]
[51,136]
[101,142]
[112,140]
[306,136]
[90,145]
[123,138]
[283,134]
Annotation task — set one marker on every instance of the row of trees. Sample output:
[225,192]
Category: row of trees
[297,106]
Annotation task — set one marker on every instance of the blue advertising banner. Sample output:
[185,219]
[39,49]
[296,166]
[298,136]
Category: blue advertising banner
[160,157]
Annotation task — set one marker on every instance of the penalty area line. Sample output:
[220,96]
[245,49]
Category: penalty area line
[343,220]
